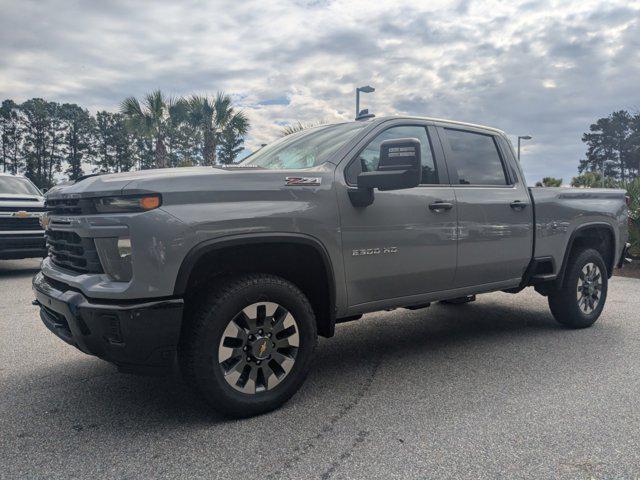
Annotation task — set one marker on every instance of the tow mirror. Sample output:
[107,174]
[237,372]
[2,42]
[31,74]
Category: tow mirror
[399,167]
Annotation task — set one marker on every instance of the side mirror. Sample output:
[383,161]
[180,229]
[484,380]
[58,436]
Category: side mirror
[399,167]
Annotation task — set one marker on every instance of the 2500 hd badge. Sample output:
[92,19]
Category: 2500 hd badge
[373,251]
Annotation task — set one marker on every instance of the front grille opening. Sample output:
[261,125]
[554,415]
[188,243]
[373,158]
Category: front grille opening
[61,286]
[70,206]
[15,224]
[13,208]
[72,252]
[18,199]
[63,207]
[56,319]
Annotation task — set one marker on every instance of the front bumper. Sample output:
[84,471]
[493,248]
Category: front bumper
[138,337]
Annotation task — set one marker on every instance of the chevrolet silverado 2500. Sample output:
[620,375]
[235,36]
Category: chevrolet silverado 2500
[21,205]
[230,274]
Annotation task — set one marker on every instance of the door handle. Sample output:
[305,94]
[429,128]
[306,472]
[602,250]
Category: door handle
[518,205]
[440,206]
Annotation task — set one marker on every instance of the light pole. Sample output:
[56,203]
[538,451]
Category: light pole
[365,89]
[522,137]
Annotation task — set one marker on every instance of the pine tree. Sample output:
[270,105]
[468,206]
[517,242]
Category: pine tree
[10,137]
[231,144]
[43,140]
[613,146]
[114,151]
[78,138]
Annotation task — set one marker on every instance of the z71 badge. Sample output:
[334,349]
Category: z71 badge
[302,181]
[373,251]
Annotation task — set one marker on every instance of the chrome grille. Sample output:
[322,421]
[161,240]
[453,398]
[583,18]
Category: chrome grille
[69,250]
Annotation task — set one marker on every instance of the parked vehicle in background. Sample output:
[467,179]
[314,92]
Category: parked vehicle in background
[21,206]
[231,273]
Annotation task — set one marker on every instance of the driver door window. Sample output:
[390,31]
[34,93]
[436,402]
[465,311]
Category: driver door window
[368,159]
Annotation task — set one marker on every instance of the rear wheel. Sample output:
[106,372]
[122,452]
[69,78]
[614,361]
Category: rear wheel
[580,301]
[250,345]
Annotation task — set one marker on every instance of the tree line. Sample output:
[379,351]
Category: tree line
[613,149]
[40,139]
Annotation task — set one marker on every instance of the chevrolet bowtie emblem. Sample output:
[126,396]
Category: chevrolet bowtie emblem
[21,214]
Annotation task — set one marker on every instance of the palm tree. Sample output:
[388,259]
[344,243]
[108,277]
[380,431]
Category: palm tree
[177,140]
[149,120]
[212,117]
[299,126]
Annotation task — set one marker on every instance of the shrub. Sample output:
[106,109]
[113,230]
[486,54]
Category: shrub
[633,190]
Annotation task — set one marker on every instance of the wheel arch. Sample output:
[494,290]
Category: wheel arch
[599,235]
[325,308]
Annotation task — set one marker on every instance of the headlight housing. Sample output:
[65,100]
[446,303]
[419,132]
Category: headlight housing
[127,203]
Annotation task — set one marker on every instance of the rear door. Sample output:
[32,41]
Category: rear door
[404,243]
[495,218]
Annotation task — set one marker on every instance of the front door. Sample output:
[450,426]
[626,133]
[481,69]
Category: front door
[404,244]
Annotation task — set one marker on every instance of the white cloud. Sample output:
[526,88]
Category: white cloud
[544,68]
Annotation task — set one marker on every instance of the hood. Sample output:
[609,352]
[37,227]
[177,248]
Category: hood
[115,183]
[186,180]
[19,201]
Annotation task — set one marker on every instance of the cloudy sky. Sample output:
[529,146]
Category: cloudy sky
[543,68]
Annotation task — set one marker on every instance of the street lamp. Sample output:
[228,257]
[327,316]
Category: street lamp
[522,137]
[365,89]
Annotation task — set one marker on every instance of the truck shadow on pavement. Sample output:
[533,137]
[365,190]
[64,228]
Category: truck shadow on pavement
[88,394]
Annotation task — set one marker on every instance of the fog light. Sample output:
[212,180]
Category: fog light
[115,256]
[124,247]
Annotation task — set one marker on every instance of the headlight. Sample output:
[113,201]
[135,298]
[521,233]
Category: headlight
[128,203]
[115,257]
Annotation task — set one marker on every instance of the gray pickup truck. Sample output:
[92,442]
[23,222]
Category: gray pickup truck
[21,206]
[230,274]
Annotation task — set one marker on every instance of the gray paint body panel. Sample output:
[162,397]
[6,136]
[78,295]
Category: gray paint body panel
[561,211]
[479,245]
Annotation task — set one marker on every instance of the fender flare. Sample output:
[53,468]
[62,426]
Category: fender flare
[208,246]
[572,238]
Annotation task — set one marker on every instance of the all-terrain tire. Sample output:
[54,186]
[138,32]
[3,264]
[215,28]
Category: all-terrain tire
[566,304]
[204,332]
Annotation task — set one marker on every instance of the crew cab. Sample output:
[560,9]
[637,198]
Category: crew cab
[230,274]
[21,205]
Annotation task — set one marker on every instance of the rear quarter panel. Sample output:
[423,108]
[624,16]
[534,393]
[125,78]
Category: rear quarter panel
[559,212]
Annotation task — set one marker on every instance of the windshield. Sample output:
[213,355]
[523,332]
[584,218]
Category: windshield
[305,149]
[19,186]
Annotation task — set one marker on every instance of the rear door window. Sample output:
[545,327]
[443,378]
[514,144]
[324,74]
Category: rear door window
[475,157]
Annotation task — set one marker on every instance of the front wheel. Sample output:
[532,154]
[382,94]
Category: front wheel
[250,346]
[580,301]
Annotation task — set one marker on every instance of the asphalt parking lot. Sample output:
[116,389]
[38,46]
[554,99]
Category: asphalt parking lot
[490,389]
